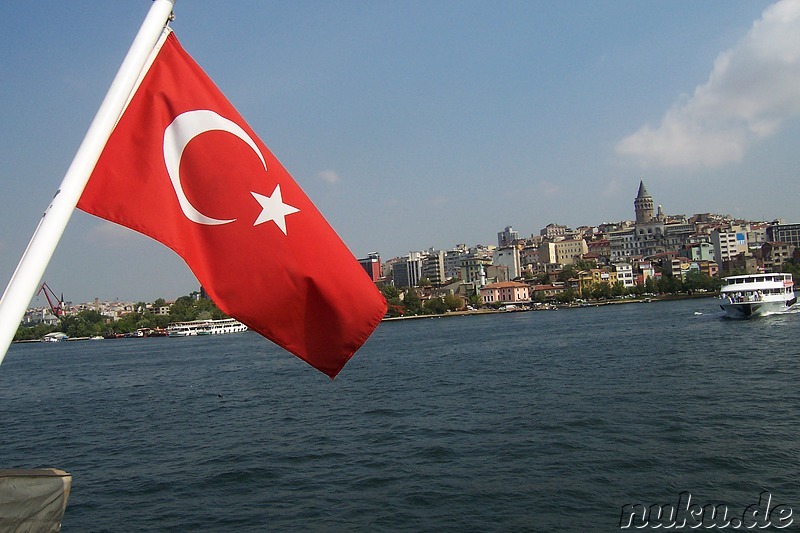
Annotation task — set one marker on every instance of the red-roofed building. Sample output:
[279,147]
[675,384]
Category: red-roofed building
[506,292]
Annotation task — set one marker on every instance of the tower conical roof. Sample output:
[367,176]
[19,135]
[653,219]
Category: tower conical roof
[642,191]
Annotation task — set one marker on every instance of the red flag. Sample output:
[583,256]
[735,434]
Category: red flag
[184,168]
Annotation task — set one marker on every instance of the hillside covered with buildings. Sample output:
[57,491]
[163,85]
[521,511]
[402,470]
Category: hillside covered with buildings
[654,253]
[651,252]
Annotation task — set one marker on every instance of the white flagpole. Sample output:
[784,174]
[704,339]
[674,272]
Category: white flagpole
[31,267]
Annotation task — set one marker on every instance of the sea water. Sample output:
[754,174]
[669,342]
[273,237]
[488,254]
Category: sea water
[534,421]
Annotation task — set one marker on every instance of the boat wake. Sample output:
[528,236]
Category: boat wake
[793,310]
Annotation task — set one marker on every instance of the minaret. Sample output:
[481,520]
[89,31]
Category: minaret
[643,204]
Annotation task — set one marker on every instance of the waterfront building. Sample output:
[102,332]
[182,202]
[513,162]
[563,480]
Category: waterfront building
[589,279]
[624,274]
[547,291]
[372,265]
[506,292]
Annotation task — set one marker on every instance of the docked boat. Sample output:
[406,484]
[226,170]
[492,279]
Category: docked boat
[205,327]
[757,294]
[56,336]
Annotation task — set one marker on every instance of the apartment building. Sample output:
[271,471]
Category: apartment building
[728,244]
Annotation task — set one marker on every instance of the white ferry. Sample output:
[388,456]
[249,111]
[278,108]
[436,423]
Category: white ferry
[757,294]
[205,327]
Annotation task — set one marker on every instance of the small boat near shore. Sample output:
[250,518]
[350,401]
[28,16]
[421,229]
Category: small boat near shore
[757,294]
[55,336]
[205,327]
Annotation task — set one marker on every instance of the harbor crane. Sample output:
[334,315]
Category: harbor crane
[56,304]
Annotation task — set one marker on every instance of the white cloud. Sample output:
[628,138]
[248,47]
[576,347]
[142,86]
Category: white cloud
[329,176]
[752,89]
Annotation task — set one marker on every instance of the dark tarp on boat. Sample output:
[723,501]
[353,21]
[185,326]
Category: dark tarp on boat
[33,500]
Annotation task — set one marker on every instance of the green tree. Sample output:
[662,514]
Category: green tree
[389,291]
[183,310]
[792,267]
[83,324]
[412,302]
[435,306]
[699,280]
[475,300]
[618,289]
[29,333]
[453,302]
[567,273]
[650,285]
[669,284]
[567,296]
[601,290]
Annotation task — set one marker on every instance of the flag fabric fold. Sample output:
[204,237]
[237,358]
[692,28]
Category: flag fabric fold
[184,168]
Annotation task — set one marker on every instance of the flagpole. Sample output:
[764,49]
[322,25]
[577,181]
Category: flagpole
[32,265]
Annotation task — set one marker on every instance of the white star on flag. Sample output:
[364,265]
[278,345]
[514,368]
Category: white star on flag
[273,208]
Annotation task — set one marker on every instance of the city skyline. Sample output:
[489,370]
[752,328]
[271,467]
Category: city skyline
[426,125]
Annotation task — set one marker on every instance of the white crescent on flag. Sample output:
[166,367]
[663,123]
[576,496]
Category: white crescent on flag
[178,134]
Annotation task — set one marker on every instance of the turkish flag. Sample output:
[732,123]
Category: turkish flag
[184,168]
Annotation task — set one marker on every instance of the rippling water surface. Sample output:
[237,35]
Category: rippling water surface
[522,421]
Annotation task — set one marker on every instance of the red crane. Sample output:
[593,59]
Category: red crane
[58,306]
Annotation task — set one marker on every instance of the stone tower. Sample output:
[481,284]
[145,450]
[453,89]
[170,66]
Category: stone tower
[643,204]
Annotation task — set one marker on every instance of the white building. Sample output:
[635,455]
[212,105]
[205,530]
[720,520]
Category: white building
[728,244]
[508,257]
[624,274]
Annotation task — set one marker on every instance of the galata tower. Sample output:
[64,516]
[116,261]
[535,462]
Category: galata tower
[643,204]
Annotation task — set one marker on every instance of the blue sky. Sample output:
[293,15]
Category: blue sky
[424,124]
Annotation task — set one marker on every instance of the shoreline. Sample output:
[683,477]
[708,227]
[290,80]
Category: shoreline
[557,307]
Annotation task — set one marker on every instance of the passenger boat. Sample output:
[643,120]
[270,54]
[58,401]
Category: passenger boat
[757,294]
[205,327]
